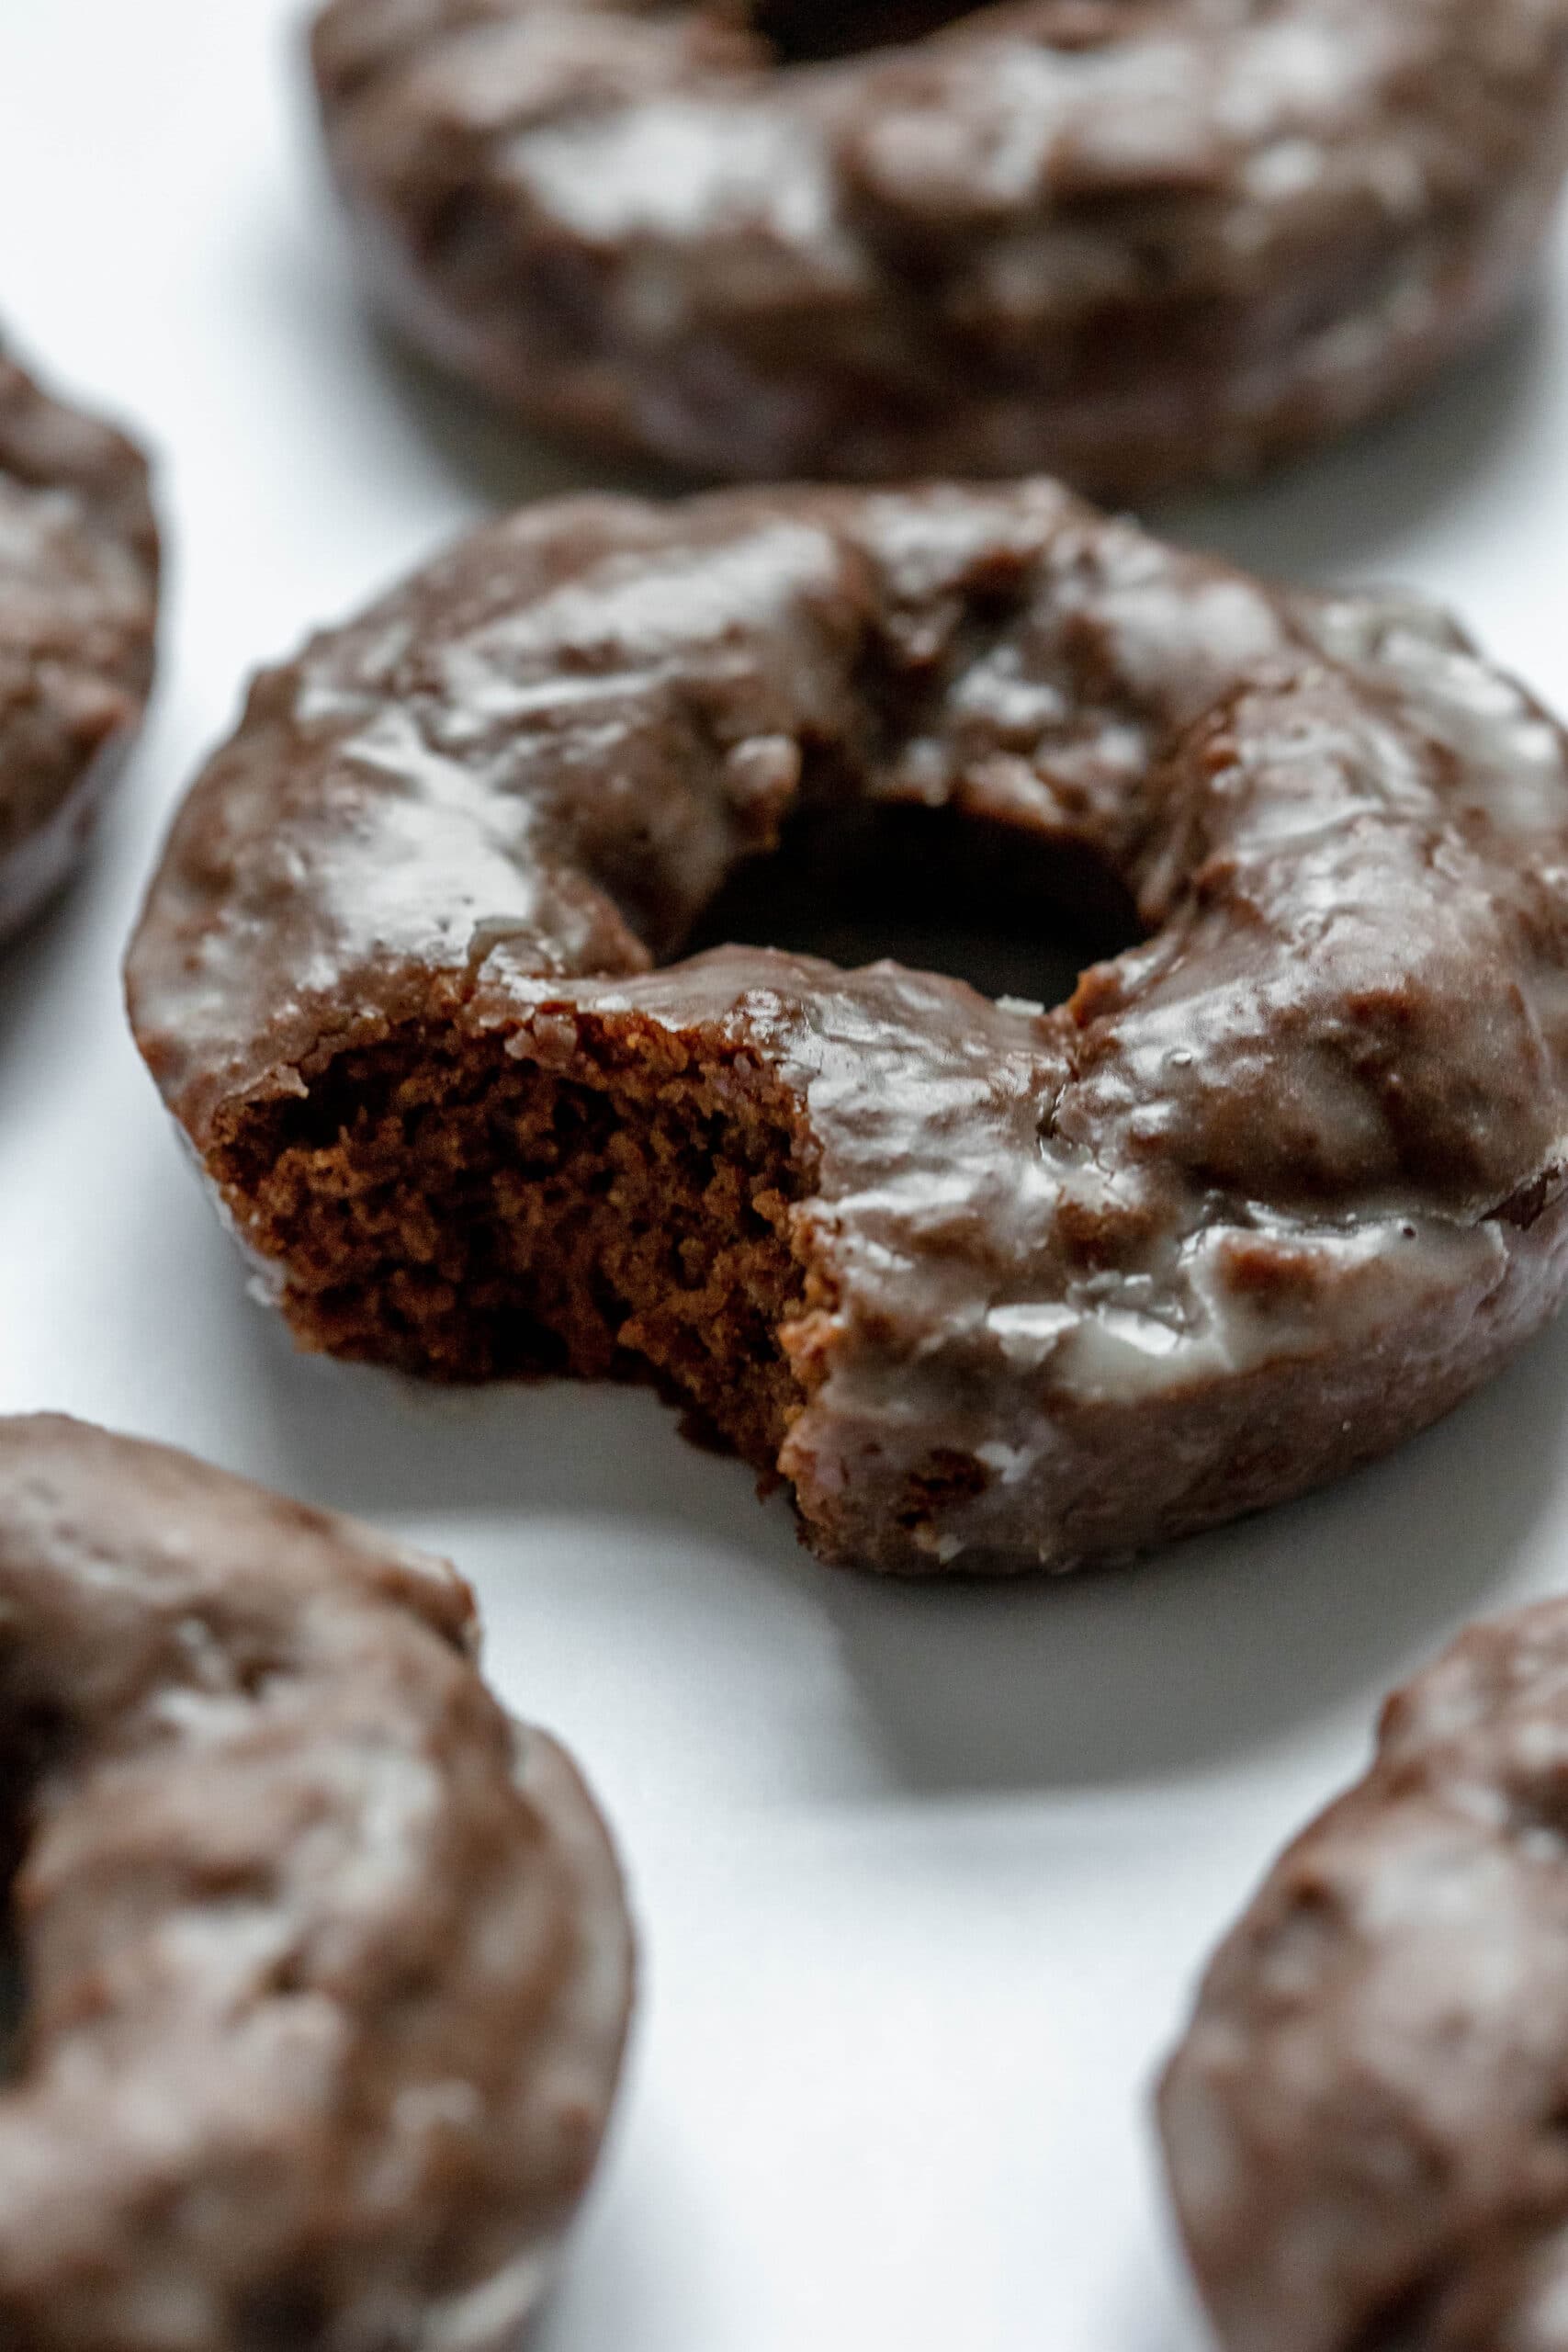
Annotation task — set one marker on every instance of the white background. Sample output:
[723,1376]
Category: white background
[924,1875]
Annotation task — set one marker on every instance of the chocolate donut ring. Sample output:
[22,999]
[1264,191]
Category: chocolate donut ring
[1132,244]
[986,1284]
[1364,2126]
[78,609]
[325,1962]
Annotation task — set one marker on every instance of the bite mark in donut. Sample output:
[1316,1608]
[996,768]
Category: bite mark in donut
[987,1285]
[78,609]
[325,1961]
[1364,2124]
[1132,244]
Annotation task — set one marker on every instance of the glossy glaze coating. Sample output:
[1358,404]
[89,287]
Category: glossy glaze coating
[1274,1189]
[78,603]
[326,1962]
[1128,243]
[1364,2125]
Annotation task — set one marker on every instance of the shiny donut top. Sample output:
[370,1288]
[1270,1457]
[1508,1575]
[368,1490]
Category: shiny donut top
[1311,1129]
[1125,243]
[78,589]
[1365,2123]
[323,1973]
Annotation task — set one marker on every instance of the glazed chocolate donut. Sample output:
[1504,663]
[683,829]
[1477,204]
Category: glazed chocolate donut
[325,1962]
[1364,2126]
[987,1285]
[78,608]
[1132,242]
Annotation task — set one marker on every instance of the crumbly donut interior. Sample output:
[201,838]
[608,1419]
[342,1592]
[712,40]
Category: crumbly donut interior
[620,1208]
[446,1205]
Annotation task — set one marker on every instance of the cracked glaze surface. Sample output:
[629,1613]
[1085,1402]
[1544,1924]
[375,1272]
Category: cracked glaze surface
[1276,1187]
[78,599]
[326,1961]
[1364,2124]
[1128,243]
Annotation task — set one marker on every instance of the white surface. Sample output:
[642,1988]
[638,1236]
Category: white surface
[924,1875]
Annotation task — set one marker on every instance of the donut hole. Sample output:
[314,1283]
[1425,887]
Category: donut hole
[1537,1818]
[283,2318]
[28,1740]
[801,32]
[13,2006]
[13,1982]
[1401,2324]
[1014,913]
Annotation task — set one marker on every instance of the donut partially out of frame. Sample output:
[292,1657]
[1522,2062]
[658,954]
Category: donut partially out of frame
[1365,2125]
[1132,244]
[324,1963]
[78,612]
[990,1286]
